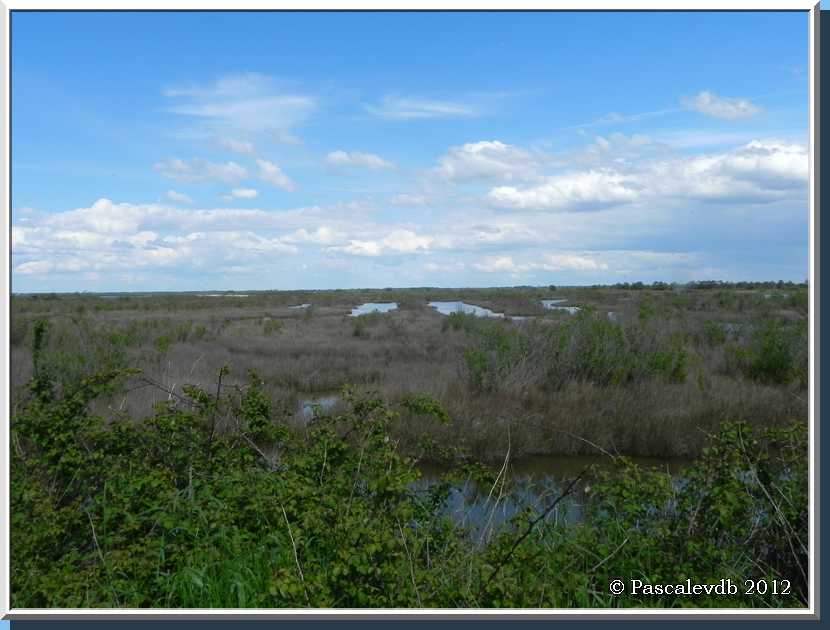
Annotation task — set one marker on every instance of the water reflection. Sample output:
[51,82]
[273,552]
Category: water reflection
[310,407]
[533,483]
[373,307]
[553,306]
[447,308]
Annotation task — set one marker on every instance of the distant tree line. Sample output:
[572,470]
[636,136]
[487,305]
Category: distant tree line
[706,284]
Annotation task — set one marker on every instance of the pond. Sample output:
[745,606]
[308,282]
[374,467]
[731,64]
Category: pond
[537,480]
[447,308]
[309,407]
[553,305]
[373,307]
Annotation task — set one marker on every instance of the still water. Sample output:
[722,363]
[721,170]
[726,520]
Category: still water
[553,306]
[447,308]
[536,483]
[373,307]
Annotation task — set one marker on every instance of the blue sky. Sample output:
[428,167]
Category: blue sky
[191,151]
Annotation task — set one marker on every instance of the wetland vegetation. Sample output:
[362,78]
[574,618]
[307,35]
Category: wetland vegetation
[281,449]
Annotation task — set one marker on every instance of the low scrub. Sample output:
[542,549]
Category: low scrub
[585,348]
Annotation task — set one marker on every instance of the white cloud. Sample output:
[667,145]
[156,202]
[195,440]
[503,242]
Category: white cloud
[324,235]
[487,160]
[572,191]
[401,108]
[34,267]
[405,199]
[760,171]
[445,267]
[720,107]
[244,147]
[549,262]
[769,160]
[199,170]
[239,193]
[251,102]
[500,264]
[571,262]
[401,241]
[615,118]
[177,197]
[273,174]
[113,237]
[340,159]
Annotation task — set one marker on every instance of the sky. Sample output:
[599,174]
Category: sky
[213,150]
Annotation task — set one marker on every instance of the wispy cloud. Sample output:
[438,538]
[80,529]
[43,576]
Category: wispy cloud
[273,174]
[243,147]
[615,118]
[240,193]
[251,102]
[339,160]
[720,107]
[199,170]
[408,108]
[177,197]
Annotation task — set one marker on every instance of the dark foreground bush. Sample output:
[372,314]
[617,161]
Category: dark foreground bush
[212,502]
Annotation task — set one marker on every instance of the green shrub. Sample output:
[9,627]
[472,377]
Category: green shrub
[773,352]
[714,333]
[271,325]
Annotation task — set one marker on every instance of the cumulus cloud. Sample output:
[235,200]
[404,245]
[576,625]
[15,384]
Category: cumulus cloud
[548,262]
[199,170]
[575,262]
[498,264]
[342,159]
[323,235]
[273,174]
[109,237]
[760,171]
[244,193]
[177,197]
[720,107]
[34,267]
[403,108]
[660,199]
[572,191]
[401,241]
[487,160]
[590,263]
